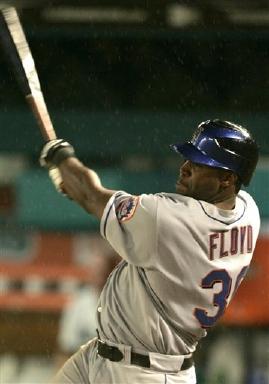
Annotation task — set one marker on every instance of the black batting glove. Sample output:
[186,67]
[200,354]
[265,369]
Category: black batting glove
[54,152]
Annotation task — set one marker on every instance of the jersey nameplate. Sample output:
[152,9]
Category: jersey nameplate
[237,240]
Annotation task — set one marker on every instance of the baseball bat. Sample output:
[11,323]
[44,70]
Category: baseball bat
[23,66]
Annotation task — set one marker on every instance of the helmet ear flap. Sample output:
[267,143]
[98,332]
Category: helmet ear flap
[247,152]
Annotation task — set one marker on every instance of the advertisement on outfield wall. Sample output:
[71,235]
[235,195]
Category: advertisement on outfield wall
[39,270]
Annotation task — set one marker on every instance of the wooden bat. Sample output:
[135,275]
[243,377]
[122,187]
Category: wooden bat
[22,63]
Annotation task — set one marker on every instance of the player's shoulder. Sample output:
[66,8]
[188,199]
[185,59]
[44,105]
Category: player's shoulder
[247,199]
[165,196]
[244,195]
[175,198]
[126,204]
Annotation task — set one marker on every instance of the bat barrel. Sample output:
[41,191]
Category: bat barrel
[20,57]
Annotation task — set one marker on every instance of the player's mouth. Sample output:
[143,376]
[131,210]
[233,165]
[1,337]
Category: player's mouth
[181,184]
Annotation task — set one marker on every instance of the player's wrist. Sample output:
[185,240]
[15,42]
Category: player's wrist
[61,153]
[55,152]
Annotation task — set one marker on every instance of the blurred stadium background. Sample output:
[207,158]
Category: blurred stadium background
[123,80]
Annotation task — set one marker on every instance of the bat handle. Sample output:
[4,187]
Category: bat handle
[42,116]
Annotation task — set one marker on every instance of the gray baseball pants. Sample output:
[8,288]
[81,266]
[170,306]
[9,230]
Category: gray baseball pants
[87,367]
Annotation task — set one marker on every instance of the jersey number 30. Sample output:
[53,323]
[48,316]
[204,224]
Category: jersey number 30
[220,298]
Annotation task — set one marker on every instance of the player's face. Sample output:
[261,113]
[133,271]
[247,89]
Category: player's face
[199,181]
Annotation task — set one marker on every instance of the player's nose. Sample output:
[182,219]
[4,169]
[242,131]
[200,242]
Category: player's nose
[185,169]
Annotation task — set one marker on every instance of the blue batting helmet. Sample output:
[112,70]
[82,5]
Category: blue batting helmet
[222,144]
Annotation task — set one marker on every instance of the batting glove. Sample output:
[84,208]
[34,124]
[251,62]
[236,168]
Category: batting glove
[57,180]
[54,152]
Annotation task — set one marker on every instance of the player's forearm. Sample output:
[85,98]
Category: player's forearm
[69,175]
[84,186]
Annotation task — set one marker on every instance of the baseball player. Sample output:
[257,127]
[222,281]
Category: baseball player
[184,256]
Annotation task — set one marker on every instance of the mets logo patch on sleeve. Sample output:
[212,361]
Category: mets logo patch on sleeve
[126,208]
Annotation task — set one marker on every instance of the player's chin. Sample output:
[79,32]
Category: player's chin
[182,189]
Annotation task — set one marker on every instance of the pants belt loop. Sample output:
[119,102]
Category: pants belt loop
[127,354]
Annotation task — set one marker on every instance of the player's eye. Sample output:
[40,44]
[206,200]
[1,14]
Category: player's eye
[197,165]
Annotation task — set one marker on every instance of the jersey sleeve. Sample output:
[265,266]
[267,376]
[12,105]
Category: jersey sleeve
[129,225]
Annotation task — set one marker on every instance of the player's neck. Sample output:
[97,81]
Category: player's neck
[227,204]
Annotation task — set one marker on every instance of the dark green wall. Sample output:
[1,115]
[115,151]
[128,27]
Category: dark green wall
[118,133]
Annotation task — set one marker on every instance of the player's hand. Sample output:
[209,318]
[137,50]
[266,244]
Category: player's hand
[54,152]
[57,180]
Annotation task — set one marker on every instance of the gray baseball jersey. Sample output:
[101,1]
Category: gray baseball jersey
[183,260]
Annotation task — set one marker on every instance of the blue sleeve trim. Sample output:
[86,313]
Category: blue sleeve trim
[105,221]
[108,213]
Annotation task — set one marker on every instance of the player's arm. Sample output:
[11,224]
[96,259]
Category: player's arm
[84,186]
[71,176]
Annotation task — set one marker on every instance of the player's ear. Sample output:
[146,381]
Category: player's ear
[227,178]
